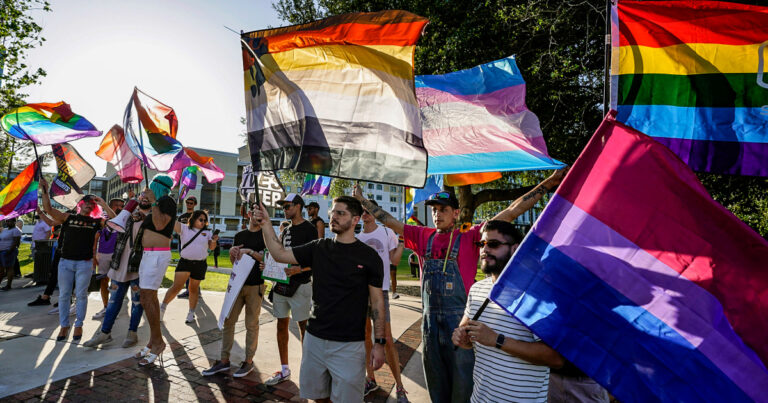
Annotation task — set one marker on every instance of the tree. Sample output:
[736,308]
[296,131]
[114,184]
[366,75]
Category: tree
[560,51]
[18,34]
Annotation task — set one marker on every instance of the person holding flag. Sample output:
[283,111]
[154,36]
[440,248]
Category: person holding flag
[75,267]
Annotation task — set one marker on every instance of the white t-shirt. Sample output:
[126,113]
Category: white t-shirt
[198,249]
[6,237]
[41,232]
[382,240]
[500,376]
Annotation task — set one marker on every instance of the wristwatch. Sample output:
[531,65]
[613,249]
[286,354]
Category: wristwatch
[380,341]
[500,341]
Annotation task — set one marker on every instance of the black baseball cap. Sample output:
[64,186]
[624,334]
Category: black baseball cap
[313,204]
[443,199]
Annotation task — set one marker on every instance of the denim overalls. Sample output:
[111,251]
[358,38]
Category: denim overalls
[448,372]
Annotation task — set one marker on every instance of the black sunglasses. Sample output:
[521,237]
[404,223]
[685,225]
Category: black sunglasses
[287,206]
[493,243]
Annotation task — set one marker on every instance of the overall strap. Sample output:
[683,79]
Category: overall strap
[428,255]
[455,248]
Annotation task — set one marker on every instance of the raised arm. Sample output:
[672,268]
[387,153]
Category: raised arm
[57,217]
[278,251]
[104,206]
[45,217]
[381,215]
[528,200]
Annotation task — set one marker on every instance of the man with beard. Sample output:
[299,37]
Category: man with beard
[292,300]
[346,272]
[511,363]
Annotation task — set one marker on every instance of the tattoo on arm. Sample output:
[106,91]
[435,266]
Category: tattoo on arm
[378,323]
[539,191]
[376,211]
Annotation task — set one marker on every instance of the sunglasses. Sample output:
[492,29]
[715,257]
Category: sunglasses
[202,219]
[190,202]
[286,206]
[493,243]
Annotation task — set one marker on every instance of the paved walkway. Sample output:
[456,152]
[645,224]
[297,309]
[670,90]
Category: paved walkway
[35,367]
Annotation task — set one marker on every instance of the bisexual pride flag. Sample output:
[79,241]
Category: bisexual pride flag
[20,196]
[633,273]
[335,97]
[476,120]
[691,75]
[47,123]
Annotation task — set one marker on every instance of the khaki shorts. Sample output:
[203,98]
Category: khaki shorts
[332,369]
[104,260]
[297,306]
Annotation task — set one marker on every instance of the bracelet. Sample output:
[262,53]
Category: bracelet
[380,341]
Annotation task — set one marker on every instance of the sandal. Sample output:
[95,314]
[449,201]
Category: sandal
[151,357]
[142,353]
[62,337]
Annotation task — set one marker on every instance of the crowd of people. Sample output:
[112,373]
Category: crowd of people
[337,292]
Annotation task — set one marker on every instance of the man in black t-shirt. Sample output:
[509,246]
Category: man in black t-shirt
[313,212]
[346,272]
[247,242]
[292,300]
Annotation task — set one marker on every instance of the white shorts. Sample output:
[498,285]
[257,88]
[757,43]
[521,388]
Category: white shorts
[296,306]
[152,269]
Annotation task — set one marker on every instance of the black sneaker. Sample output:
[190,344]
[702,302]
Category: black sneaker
[40,301]
[245,369]
[217,367]
[184,295]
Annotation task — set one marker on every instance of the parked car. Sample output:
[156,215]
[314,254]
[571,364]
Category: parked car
[226,243]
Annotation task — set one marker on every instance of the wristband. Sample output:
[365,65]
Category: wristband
[380,341]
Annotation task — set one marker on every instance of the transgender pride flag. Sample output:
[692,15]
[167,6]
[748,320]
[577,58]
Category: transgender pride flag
[638,277]
[476,120]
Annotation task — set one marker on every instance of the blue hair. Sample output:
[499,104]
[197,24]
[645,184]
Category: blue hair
[161,185]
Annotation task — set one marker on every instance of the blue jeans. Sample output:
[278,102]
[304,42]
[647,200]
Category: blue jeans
[75,273]
[117,291]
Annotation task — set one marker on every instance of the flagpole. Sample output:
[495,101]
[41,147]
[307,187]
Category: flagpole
[143,155]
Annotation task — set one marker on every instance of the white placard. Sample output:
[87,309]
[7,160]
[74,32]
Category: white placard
[274,270]
[240,271]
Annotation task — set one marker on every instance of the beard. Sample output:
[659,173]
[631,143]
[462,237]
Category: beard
[338,228]
[497,264]
[145,206]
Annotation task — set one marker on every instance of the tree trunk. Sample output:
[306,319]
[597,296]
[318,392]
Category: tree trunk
[469,202]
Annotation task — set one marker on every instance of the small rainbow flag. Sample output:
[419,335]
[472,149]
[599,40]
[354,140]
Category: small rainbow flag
[47,123]
[316,185]
[691,75]
[188,181]
[20,196]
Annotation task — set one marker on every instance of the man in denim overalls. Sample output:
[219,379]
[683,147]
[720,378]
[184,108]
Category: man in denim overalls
[449,266]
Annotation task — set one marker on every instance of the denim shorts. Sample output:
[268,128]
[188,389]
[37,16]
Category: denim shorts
[8,257]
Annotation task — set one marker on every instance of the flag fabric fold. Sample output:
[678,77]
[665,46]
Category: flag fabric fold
[476,120]
[20,195]
[414,196]
[150,131]
[47,123]
[188,181]
[316,185]
[205,165]
[73,173]
[335,97]
[633,273]
[114,149]
[691,75]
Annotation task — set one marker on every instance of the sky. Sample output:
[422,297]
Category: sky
[176,51]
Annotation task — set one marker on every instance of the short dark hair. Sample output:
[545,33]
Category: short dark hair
[195,215]
[353,205]
[504,228]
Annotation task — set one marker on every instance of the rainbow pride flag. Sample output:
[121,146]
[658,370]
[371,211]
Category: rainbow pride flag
[316,185]
[47,123]
[335,97]
[476,120]
[690,74]
[20,196]
[188,181]
[633,273]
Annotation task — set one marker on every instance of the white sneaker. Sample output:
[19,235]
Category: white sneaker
[99,315]
[395,295]
[190,317]
[54,311]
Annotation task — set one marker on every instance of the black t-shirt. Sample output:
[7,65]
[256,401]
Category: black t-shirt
[315,220]
[253,241]
[297,235]
[341,274]
[79,232]
[184,218]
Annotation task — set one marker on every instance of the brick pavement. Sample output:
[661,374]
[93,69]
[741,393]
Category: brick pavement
[179,378]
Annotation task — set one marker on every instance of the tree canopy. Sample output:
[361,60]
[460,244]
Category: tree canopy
[559,46]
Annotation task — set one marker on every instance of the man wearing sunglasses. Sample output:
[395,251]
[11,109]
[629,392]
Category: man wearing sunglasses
[448,261]
[345,274]
[292,300]
[511,363]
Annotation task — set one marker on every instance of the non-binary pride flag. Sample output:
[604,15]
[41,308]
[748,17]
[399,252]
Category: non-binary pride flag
[634,274]
[47,123]
[691,75]
[20,196]
[476,120]
[335,97]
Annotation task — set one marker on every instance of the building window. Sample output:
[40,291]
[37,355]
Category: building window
[378,197]
[393,209]
[393,188]
[393,199]
[379,187]
[370,186]
[288,189]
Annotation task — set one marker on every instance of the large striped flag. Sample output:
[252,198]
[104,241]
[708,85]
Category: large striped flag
[335,97]
[47,123]
[150,131]
[633,273]
[476,120]
[20,195]
[115,150]
[690,74]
